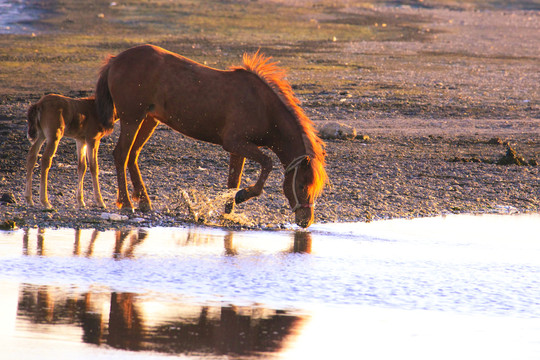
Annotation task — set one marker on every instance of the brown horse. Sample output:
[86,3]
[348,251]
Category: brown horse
[241,109]
[53,117]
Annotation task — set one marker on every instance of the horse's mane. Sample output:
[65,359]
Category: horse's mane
[275,77]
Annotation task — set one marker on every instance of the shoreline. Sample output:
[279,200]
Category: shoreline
[422,89]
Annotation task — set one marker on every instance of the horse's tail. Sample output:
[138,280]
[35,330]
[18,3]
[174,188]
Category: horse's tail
[33,118]
[104,101]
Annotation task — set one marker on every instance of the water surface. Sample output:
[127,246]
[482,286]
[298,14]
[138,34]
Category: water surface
[449,287]
[14,16]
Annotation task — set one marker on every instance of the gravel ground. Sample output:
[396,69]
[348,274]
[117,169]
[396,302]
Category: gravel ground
[420,155]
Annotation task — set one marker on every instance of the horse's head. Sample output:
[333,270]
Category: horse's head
[304,180]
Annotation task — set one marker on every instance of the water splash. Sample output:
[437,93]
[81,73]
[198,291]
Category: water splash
[210,210]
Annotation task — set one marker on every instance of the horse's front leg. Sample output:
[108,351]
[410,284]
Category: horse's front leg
[81,170]
[92,155]
[30,163]
[250,151]
[139,190]
[236,166]
[128,132]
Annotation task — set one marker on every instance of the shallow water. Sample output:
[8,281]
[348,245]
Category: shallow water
[450,287]
[14,14]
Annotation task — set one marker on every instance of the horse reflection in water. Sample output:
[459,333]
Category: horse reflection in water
[194,329]
[126,241]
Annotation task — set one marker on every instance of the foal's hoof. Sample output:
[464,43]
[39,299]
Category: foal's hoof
[47,205]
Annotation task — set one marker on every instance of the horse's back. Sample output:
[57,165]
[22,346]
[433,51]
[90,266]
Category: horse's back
[142,63]
[181,93]
[199,101]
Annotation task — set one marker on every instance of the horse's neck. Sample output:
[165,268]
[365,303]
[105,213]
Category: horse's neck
[292,141]
[291,147]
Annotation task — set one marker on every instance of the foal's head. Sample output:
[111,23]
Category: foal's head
[304,179]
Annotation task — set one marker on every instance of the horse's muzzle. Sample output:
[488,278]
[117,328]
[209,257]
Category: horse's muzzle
[304,216]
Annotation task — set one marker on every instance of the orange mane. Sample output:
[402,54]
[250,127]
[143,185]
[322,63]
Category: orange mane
[275,77]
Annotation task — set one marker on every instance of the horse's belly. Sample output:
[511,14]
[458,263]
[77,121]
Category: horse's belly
[197,129]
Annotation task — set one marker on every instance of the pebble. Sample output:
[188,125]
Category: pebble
[114,217]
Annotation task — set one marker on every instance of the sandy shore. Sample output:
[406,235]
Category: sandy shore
[439,109]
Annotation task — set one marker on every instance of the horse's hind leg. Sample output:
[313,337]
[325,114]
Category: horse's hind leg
[30,163]
[139,191]
[236,166]
[46,160]
[81,170]
[129,127]
[92,155]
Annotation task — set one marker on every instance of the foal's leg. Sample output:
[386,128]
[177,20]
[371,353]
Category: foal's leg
[236,166]
[250,151]
[30,163]
[139,191]
[92,155]
[81,170]
[46,160]
[129,127]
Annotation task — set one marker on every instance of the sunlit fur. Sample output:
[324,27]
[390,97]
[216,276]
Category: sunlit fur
[275,77]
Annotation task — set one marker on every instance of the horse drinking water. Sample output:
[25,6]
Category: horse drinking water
[53,117]
[241,109]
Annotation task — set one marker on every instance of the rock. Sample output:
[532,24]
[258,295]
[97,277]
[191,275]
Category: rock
[364,138]
[335,130]
[8,198]
[8,225]
[495,141]
[118,217]
[511,158]
[113,217]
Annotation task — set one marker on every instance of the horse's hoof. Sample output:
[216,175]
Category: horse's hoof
[127,210]
[145,207]
[241,196]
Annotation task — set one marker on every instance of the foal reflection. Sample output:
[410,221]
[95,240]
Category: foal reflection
[40,243]
[126,241]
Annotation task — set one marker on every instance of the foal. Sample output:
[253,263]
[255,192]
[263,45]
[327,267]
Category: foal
[53,117]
